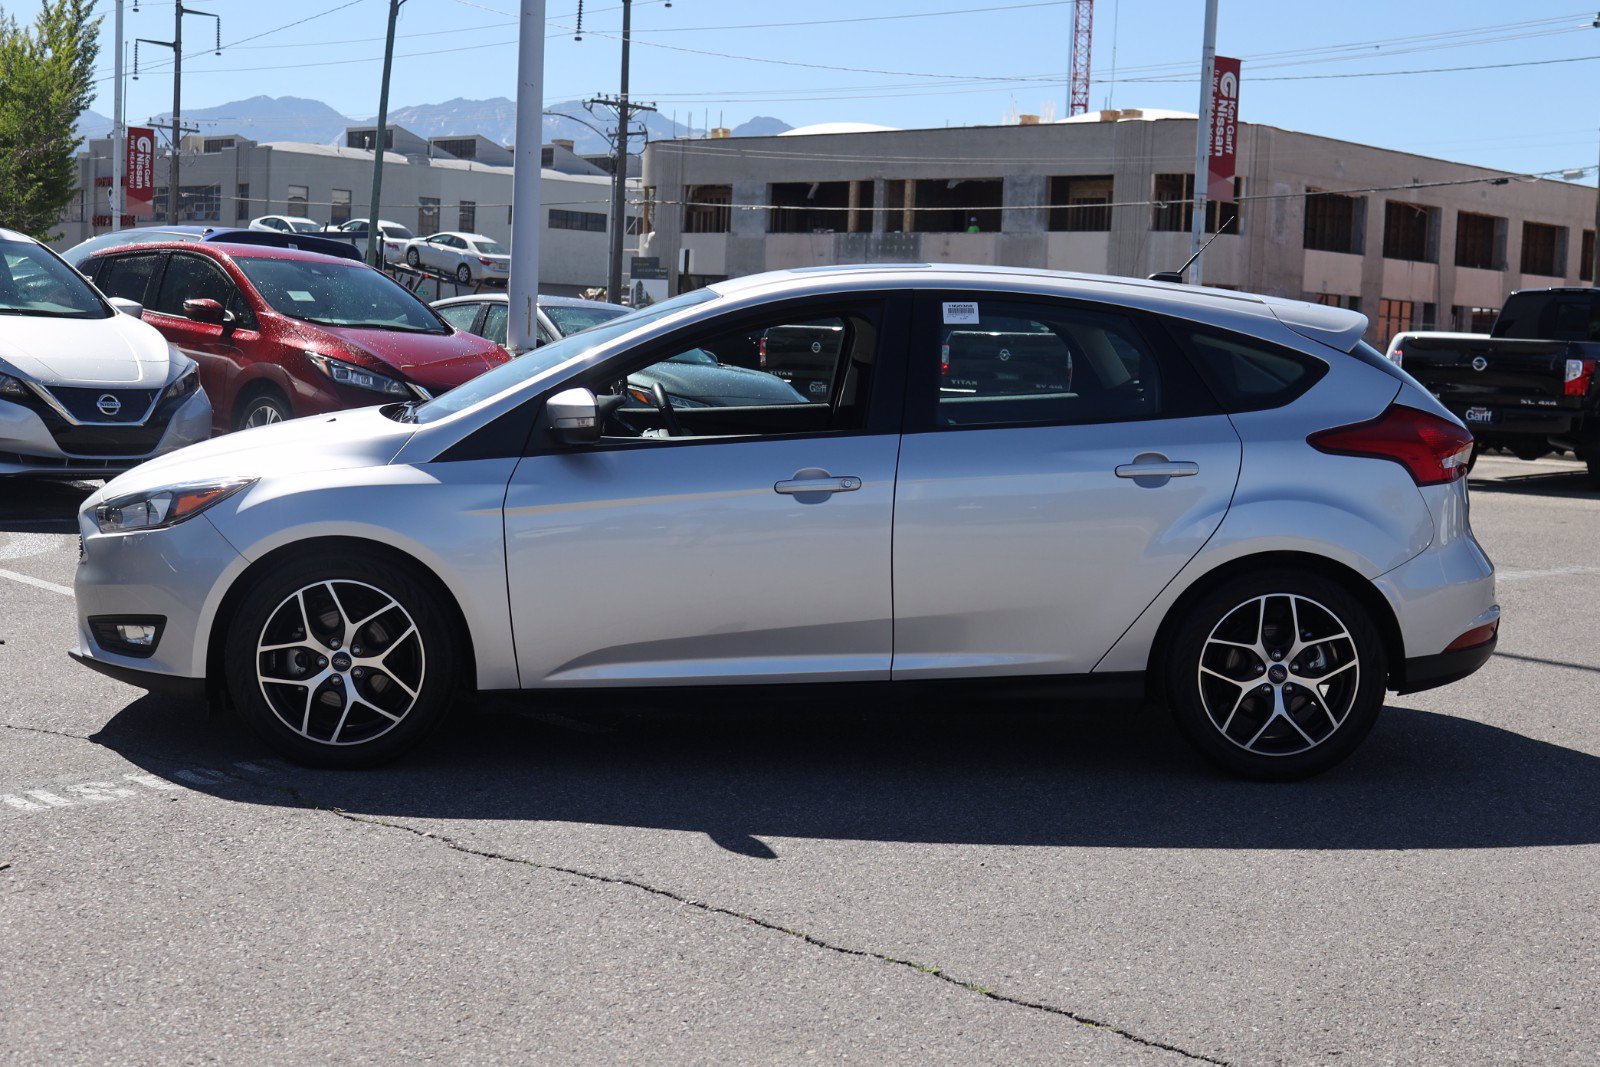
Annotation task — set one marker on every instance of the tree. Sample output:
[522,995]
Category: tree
[46,83]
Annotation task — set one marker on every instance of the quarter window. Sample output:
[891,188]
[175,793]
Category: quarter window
[1246,374]
[1007,363]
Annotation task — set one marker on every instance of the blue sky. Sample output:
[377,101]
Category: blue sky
[970,63]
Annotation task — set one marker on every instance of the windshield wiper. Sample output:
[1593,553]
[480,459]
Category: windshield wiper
[358,325]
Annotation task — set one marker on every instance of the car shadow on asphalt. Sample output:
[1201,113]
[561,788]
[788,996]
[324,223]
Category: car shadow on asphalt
[1569,485]
[1000,772]
[34,505]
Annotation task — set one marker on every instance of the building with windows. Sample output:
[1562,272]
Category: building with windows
[446,183]
[1412,242]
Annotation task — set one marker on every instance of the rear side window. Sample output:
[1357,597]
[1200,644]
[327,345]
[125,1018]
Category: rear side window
[1245,373]
[129,276]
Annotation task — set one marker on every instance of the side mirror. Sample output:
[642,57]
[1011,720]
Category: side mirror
[204,309]
[571,416]
[126,306]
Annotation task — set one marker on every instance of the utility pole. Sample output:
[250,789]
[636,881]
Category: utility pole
[625,109]
[119,130]
[1202,142]
[522,288]
[178,130]
[1594,265]
[380,143]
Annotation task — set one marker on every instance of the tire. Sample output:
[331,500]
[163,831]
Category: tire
[262,408]
[464,274]
[1528,452]
[1594,472]
[413,258]
[1287,730]
[403,661]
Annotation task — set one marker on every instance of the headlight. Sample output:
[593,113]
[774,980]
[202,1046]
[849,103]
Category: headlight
[12,386]
[160,508]
[358,377]
[187,381]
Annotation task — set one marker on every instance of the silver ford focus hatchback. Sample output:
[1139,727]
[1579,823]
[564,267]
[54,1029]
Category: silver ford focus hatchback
[1227,503]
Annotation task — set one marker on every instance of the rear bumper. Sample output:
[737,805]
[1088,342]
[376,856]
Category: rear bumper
[1517,421]
[1430,672]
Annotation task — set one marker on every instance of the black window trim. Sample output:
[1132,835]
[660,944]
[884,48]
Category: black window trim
[166,263]
[1180,382]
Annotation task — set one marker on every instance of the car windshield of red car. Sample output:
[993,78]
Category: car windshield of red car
[329,293]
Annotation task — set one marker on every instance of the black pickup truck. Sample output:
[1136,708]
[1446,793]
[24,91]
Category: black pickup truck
[1531,386]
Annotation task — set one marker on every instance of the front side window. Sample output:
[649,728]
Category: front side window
[189,277]
[34,282]
[494,323]
[1004,362]
[461,316]
[331,293]
[575,318]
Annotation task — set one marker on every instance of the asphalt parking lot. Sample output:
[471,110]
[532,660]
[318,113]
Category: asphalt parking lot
[724,880]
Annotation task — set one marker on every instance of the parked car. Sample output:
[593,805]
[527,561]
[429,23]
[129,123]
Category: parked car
[86,389]
[286,224]
[692,377]
[79,253]
[394,237]
[466,257]
[1239,508]
[1396,353]
[280,333]
[1530,386]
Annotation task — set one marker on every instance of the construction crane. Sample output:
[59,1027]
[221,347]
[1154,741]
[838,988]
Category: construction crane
[1082,39]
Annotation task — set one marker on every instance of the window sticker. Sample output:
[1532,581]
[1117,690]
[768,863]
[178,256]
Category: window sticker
[302,296]
[960,313]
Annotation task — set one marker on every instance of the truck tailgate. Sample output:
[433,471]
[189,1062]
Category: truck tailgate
[1498,372]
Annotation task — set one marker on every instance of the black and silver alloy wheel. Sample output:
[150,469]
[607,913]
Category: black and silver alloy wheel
[343,660]
[340,662]
[1278,675]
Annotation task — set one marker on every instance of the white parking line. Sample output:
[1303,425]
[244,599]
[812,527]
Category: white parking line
[101,791]
[1515,574]
[37,583]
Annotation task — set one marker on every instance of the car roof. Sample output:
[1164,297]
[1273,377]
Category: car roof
[224,249]
[1337,327]
[545,301]
[13,235]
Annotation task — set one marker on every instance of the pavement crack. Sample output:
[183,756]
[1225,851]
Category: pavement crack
[799,935]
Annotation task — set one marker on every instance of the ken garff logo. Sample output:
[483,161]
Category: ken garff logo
[108,405]
[1479,363]
[1228,85]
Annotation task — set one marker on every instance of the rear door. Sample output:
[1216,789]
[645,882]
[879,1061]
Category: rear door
[1061,464]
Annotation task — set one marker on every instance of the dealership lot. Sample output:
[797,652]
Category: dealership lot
[605,878]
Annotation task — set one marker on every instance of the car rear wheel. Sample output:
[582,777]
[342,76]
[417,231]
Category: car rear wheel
[1277,676]
[262,409]
[339,661]
[464,274]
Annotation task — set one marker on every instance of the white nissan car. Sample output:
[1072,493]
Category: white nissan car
[87,389]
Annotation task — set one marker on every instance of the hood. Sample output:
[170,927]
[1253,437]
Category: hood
[720,385]
[120,350]
[363,437]
[435,361]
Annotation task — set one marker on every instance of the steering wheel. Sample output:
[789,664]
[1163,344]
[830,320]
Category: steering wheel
[669,417]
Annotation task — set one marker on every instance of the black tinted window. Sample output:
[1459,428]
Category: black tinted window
[1015,363]
[191,278]
[129,276]
[1247,374]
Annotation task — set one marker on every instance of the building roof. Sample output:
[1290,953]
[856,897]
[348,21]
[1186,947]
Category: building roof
[837,127]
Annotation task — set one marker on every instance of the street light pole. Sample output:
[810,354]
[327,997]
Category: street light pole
[1202,142]
[379,146]
[522,288]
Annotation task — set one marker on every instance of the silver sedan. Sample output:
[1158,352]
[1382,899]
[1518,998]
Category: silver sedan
[1227,503]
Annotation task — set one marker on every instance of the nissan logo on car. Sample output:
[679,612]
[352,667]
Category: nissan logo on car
[1479,363]
[108,405]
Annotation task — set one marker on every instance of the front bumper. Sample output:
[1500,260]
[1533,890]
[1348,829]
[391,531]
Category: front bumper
[180,572]
[30,445]
[188,689]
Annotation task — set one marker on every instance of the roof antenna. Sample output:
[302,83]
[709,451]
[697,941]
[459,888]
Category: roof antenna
[1176,276]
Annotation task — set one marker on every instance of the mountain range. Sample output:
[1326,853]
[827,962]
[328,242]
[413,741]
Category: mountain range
[293,118]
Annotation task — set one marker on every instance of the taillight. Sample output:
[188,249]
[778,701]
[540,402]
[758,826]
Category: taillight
[944,361]
[1478,635]
[1434,450]
[1397,357]
[486,262]
[761,351]
[1580,375]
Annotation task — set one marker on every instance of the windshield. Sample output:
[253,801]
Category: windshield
[491,248]
[34,282]
[571,319]
[335,293]
[548,357]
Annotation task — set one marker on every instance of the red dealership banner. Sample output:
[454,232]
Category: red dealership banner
[139,187]
[1224,128]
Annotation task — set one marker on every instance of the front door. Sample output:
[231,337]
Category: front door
[727,528]
[218,348]
[1061,464]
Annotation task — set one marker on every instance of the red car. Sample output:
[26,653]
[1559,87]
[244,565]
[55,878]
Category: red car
[280,333]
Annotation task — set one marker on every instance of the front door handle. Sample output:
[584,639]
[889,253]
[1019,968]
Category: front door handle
[797,486]
[1155,465]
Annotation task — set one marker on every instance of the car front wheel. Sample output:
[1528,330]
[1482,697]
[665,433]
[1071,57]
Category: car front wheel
[341,661]
[464,274]
[1278,676]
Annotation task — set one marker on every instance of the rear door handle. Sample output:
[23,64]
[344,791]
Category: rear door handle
[796,486]
[1152,465]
